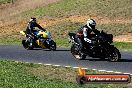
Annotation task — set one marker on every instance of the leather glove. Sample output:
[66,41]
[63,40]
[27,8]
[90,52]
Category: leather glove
[87,40]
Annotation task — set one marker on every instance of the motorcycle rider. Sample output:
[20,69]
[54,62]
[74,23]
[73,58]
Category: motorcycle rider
[30,28]
[84,34]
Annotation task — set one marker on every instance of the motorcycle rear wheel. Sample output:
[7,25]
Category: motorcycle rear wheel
[76,53]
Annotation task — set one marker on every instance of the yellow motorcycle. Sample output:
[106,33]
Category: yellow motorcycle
[41,40]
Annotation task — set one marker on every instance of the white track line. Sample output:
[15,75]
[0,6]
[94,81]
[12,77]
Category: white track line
[94,69]
[126,73]
[85,68]
[40,63]
[117,72]
[75,67]
[56,65]
[109,71]
[67,66]
[48,64]
[101,70]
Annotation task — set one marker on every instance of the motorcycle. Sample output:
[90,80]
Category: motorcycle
[41,40]
[101,48]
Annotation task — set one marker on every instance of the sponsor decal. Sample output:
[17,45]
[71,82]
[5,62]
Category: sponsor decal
[83,78]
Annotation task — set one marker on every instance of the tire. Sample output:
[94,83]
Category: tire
[76,53]
[114,55]
[26,45]
[52,45]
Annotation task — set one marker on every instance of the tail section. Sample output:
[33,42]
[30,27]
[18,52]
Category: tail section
[23,32]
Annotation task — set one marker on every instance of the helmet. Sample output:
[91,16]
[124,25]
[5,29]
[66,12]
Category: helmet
[33,19]
[91,23]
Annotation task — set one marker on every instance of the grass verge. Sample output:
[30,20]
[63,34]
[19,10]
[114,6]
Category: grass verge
[63,42]
[29,75]
[104,8]
[10,41]
[123,45]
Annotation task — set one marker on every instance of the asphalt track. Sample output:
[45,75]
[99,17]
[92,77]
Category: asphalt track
[63,57]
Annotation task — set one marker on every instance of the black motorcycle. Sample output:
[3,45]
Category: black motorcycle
[101,48]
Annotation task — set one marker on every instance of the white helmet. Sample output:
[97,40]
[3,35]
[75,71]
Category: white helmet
[91,23]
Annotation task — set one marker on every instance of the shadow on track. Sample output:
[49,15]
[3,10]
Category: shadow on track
[121,60]
[33,48]
[36,49]
[125,60]
[97,59]
[50,50]
[55,50]
[62,50]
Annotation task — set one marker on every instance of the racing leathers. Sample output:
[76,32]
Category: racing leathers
[31,26]
[31,32]
[84,35]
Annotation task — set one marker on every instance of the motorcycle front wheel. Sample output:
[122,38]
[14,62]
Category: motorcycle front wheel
[52,45]
[114,55]
[26,45]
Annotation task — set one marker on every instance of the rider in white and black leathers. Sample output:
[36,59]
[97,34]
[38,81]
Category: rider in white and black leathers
[85,32]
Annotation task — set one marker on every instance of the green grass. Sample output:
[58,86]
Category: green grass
[116,28]
[64,27]
[64,42]
[101,8]
[29,75]
[60,32]
[10,41]
[123,45]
